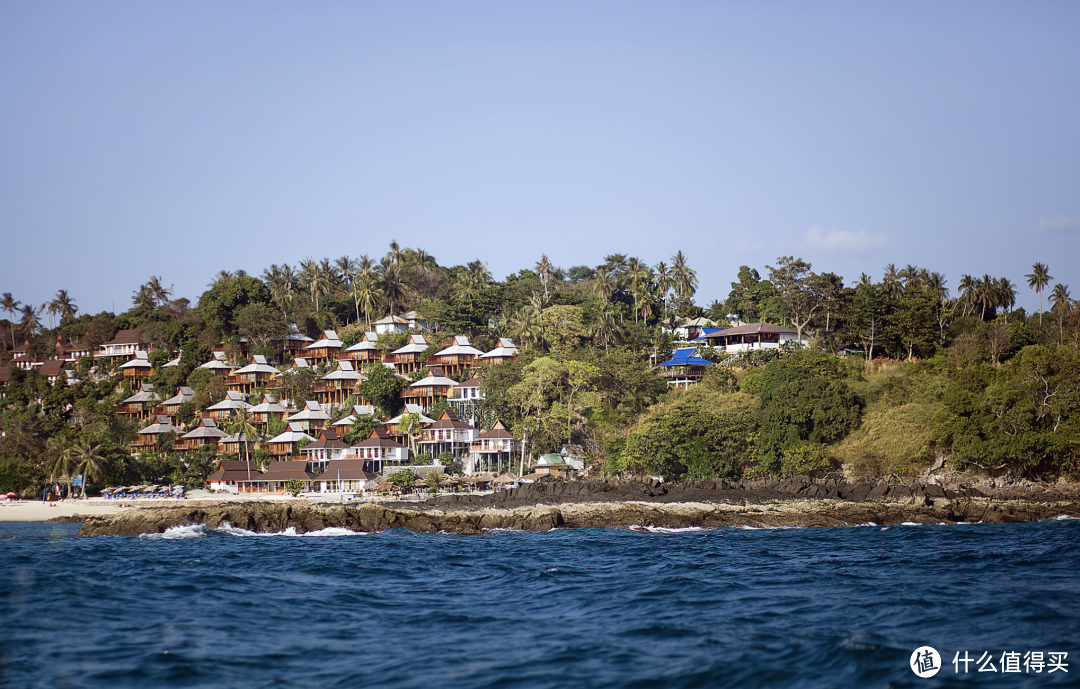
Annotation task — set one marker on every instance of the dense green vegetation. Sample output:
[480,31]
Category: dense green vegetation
[969,377]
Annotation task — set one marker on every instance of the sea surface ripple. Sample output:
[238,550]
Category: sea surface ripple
[838,607]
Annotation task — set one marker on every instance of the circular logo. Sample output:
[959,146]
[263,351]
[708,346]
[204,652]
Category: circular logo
[925,661]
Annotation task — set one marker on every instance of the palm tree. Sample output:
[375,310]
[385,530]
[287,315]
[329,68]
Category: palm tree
[240,423]
[543,269]
[603,283]
[88,462]
[891,280]
[1038,279]
[523,327]
[664,284]
[59,463]
[1061,305]
[366,295]
[967,291]
[161,295]
[395,253]
[393,285]
[64,305]
[685,277]
[985,294]
[9,304]
[424,261]
[909,275]
[30,321]
[52,309]
[1005,293]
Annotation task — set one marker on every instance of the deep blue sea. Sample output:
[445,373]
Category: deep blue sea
[839,607]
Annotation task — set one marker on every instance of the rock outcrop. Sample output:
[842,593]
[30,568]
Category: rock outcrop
[608,504]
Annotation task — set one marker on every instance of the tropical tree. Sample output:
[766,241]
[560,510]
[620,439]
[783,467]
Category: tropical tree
[1038,279]
[60,463]
[88,462]
[64,305]
[1062,304]
[30,320]
[365,293]
[9,304]
[239,422]
[798,288]
[393,285]
[684,277]
[544,269]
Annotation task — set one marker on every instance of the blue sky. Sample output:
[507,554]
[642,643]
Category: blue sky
[180,139]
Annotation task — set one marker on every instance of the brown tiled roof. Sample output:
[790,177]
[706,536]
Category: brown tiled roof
[497,431]
[123,337]
[328,440]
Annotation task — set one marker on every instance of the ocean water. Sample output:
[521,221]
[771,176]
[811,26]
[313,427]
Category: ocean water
[840,607]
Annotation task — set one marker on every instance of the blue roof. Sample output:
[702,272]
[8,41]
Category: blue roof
[686,356]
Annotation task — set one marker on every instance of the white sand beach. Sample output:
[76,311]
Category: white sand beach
[37,511]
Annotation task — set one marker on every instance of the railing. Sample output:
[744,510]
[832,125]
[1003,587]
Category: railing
[680,372]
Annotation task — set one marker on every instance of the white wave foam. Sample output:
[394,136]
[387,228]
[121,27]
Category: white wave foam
[178,532]
[665,529]
[1062,517]
[911,524]
[332,531]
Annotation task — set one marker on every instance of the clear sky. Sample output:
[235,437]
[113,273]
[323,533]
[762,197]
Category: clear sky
[179,139]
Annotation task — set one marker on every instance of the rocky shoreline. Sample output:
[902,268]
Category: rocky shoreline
[617,504]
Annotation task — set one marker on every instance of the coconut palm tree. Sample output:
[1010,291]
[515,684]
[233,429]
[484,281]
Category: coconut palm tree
[30,320]
[65,305]
[393,285]
[891,281]
[1061,305]
[664,284]
[1038,279]
[1005,294]
[424,262]
[9,304]
[87,462]
[603,284]
[543,269]
[967,292]
[240,422]
[685,278]
[161,295]
[59,462]
[605,324]
[395,254]
[366,295]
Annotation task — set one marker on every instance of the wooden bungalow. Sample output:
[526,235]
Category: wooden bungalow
[365,351]
[311,418]
[335,388]
[285,445]
[170,406]
[219,365]
[141,405]
[206,433]
[358,410]
[325,350]
[234,445]
[268,409]
[685,368]
[294,341]
[391,325]
[149,438]
[455,358]
[223,410]
[230,473]
[139,368]
[123,346]
[255,375]
[409,358]
[506,351]
[392,426]
[429,391]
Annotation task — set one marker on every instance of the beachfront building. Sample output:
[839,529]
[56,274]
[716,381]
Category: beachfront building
[311,419]
[391,325]
[324,350]
[455,358]
[685,368]
[506,351]
[206,433]
[255,375]
[335,388]
[366,351]
[223,410]
[276,477]
[285,445]
[447,434]
[229,474]
[141,405]
[408,358]
[326,449]
[378,450]
[150,438]
[139,368]
[751,336]
[491,450]
[430,390]
[344,476]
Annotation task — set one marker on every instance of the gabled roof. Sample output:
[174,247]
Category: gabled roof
[233,400]
[473,382]
[357,410]
[461,346]
[207,429]
[346,470]
[122,337]
[379,438]
[174,362]
[160,426]
[448,419]
[497,431]
[410,409]
[218,362]
[328,440]
[141,360]
[312,412]
[506,348]
[258,365]
[432,380]
[752,329]
[415,345]
[145,394]
[183,394]
[292,434]
[233,470]
[295,335]
[329,340]
[344,371]
[390,319]
[366,342]
[300,362]
[686,356]
[269,405]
